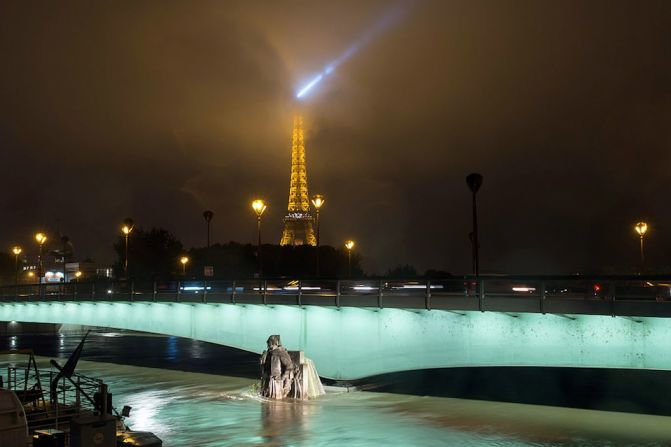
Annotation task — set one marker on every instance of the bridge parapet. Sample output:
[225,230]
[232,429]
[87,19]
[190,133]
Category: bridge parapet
[633,296]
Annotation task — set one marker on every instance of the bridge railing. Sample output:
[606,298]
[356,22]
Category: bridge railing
[607,295]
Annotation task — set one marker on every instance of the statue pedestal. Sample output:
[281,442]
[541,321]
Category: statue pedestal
[306,384]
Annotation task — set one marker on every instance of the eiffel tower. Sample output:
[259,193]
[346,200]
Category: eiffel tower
[298,228]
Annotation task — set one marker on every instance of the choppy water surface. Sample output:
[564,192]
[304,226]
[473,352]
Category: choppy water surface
[195,409]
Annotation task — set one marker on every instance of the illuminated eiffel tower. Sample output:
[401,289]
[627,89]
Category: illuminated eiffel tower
[298,228]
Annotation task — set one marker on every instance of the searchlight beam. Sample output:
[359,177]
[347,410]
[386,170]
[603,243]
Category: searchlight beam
[390,18]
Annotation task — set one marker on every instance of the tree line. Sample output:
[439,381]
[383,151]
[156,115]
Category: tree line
[155,253]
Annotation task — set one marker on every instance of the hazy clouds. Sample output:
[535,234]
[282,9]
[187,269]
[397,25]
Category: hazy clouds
[159,110]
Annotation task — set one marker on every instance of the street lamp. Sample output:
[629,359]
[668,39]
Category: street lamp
[41,238]
[474,181]
[207,215]
[17,251]
[184,260]
[349,245]
[126,229]
[78,274]
[318,201]
[641,228]
[259,206]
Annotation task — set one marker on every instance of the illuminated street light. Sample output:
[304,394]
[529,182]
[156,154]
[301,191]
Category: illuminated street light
[41,238]
[259,206]
[349,245]
[641,228]
[184,260]
[126,229]
[78,274]
[318,201]
[17,251]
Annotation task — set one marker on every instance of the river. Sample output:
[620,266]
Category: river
[213,403]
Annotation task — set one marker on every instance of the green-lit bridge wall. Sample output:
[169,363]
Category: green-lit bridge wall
[351,343]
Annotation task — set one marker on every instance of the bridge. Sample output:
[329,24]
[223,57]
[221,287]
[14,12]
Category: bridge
[359,328]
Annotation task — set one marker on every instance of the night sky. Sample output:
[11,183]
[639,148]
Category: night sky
[159,110]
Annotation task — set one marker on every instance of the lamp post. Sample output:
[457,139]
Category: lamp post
[126,229]
[349,245]
[207,215]
[318,201]
[259,206]
[641,228]
[184,260]
[474,181]
[41,238]
[17,251]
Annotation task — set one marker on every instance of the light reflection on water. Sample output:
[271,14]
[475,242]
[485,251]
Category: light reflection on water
[193,409]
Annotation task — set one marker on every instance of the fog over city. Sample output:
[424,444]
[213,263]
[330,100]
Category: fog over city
[160,110]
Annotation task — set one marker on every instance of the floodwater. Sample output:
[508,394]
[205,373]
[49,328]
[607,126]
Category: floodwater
[187,408]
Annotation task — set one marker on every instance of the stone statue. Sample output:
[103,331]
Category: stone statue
[277,370]
[287,373]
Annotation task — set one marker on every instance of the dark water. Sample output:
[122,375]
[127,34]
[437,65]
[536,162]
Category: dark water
[202,395]
[143,350]
[633,391]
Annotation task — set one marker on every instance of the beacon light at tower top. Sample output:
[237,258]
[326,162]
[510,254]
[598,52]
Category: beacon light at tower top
[390,18]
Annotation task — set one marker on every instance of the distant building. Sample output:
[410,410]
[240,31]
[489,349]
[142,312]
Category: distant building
[56,272]
[106,272]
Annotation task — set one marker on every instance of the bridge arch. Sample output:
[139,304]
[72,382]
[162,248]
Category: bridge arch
[349,343]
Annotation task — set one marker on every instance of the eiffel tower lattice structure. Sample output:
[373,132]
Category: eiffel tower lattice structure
[298,228]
